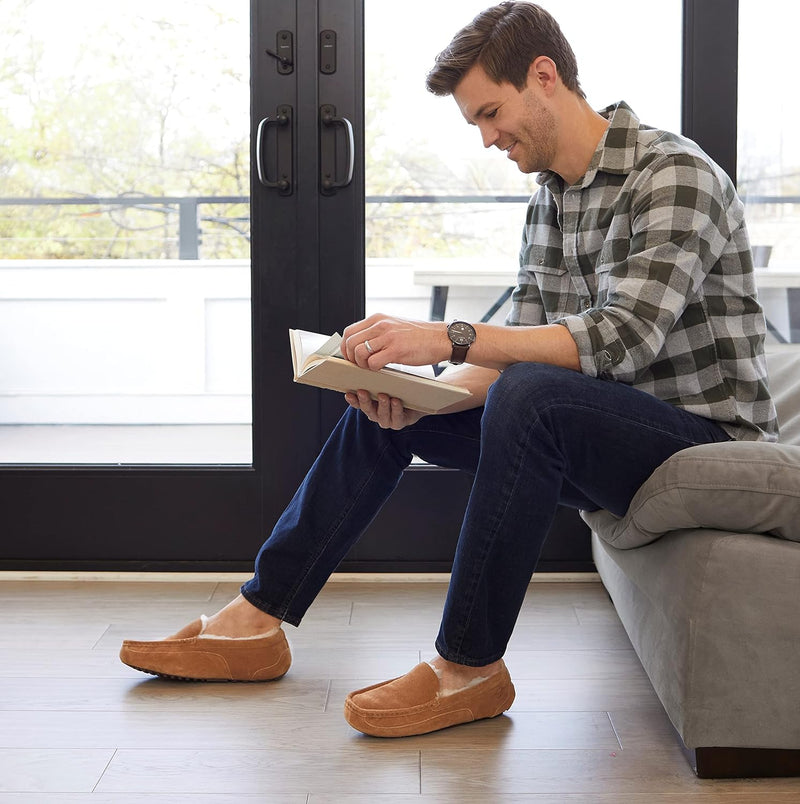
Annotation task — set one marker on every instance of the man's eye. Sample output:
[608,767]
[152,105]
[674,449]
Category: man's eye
[491,115]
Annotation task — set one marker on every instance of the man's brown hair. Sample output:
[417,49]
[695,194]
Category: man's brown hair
[504,40]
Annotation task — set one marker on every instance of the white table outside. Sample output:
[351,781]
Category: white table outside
[453,273]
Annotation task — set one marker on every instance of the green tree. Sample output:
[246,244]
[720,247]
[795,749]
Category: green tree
[134,109]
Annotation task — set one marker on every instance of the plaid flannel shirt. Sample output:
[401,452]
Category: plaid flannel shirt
[646,260]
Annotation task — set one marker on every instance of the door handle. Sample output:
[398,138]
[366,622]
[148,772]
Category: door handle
[329,123]
[282,122]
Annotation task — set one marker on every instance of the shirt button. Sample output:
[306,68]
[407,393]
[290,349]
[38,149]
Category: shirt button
[586,304]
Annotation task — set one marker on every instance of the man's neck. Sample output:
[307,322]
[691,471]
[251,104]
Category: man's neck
[580,132]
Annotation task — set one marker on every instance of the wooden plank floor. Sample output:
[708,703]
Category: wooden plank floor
[78,726]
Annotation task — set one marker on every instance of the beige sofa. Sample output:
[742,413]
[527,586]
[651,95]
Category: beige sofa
[704,571]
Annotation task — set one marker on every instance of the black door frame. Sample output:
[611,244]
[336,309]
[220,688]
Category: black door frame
[710,75]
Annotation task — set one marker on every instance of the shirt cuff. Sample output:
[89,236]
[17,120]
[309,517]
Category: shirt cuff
[597,357]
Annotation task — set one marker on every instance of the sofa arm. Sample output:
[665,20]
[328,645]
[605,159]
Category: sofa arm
[741,486]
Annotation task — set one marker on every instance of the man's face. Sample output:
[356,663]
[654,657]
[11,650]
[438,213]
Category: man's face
[513,121]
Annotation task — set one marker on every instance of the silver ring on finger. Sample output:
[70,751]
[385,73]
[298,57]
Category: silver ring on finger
[368,347]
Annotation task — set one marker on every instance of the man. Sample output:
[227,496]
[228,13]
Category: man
[634,333]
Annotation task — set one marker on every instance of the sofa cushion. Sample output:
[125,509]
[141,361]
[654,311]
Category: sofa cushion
[742,486]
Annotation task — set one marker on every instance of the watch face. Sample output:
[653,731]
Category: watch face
[461,333]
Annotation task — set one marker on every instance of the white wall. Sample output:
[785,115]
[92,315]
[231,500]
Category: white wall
[99,342]
[153,342]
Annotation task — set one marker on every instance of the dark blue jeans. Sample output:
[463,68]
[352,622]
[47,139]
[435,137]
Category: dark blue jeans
[546,436]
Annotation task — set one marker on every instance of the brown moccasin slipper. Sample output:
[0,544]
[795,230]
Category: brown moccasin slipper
[189,656]
[412,703]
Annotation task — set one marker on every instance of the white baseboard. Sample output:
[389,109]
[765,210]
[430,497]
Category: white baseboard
[238,577]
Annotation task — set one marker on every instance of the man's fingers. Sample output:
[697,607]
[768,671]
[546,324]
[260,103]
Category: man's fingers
[384,411]
[398,414]
[361,355]
[387,412]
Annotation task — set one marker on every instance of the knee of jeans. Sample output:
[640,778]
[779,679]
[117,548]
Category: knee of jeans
[529,390]
[526,383]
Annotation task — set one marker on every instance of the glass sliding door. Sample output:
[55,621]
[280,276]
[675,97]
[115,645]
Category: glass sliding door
[125,233]
[131,409]
[151,421]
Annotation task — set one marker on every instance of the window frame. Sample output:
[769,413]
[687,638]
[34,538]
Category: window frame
[710,78]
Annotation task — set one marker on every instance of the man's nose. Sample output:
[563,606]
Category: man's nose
[489,135]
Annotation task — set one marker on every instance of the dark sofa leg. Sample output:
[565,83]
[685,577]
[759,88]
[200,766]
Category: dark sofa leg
[743,763]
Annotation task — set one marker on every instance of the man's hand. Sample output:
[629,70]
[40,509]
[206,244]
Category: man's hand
[387,412]
[381,339]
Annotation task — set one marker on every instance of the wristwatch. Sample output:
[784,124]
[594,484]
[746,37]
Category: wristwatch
[462,336]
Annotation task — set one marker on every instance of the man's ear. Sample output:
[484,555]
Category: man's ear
[544,73]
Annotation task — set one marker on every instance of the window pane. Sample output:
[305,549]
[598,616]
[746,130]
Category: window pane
[769,160]
[124,232]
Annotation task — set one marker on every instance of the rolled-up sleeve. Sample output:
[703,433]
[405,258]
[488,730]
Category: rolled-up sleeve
[678,229]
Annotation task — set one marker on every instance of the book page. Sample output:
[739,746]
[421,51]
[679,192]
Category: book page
[419,371]
[307,347]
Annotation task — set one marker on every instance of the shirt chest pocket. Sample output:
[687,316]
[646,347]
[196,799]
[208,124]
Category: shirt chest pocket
[612,253]
[545,268]
[601,284]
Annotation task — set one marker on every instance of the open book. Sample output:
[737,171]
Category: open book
[318,361]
